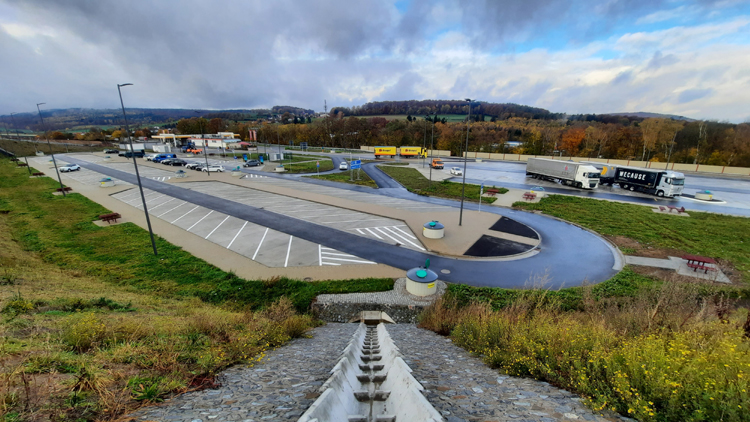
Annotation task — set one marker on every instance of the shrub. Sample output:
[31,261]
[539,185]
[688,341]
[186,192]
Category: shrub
[82,332]
[17,305]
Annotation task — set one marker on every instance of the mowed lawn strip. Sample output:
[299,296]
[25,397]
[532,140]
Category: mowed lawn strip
[344,176]
[713,235]
[415,182]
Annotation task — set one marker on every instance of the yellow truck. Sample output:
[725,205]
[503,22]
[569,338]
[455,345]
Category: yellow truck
[408,152]
[385,152]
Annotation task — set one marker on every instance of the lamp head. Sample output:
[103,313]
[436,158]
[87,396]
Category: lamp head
[38,104]
[124,84]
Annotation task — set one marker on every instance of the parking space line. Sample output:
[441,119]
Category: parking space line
[353,221]
[235,236]
[145,195]
[212,231]
[350,260]
[196,223]
[407,234]
[184,214]
[386,234]
[259,244]
[404,239]
[338,254]
[140,205]
[288,249]
[374,234]
[320,255]
[330,263]
[183,203]
[165,202]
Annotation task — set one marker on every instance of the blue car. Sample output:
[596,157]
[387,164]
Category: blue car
[161,157]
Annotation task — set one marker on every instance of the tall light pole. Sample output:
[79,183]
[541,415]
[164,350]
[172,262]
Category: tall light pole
[432,138]
[466,158]
[16,127]
[203,139]
[424,141]
[135,164]
[54,162]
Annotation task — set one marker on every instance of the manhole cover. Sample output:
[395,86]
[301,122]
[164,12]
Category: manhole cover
[445,271]
[307,279]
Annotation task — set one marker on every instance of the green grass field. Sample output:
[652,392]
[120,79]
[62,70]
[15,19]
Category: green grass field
[413,180]
[344,176]
[718,236]
[26,149]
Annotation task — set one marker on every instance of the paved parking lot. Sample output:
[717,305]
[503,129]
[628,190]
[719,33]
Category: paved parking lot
[261,244]
[369,225]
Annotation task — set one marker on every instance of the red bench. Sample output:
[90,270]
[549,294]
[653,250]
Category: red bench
[529,196]
[66,189]
[110,217]
[697,267]
[20,164]
[39,173]
[492,192]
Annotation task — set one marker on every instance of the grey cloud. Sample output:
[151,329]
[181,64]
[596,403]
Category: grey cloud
[403,89]
[623,77]
[659,60]
[694,94]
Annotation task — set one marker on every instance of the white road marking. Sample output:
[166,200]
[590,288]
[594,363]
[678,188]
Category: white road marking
[374,234]
[196,207]
[235,236]
[261,242]
[320,255]
[387,235]
[406,233]
[288,249]
[350,260]
[165,202]
[144,195]
[183,203]
[197,222]
[212,231]
[404,239]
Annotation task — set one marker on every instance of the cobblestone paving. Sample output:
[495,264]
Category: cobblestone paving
[463,388]
[286,383]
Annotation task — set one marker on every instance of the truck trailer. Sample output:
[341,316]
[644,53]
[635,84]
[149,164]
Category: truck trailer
[566,172]
[652,181]
[408,152]
[382,152]
[606,172]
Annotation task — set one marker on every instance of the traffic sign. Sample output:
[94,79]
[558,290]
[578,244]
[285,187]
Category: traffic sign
[355,164]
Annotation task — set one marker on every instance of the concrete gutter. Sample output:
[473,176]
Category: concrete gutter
[371,383]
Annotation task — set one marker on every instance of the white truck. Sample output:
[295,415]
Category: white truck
[582,176]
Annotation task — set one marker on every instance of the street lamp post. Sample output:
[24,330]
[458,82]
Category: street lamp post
[16,127]
[205,147]
[466,158]
[424,141]
[432,138]
[54,162]
[135,164]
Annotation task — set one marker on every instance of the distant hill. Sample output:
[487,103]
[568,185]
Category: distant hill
[81,118]
[424,107]
[646,115]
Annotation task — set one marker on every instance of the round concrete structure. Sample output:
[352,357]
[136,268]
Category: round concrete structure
[421,281]
[704,195]
[433,230]
[106,182]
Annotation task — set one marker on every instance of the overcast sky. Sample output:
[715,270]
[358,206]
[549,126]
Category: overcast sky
[681,57]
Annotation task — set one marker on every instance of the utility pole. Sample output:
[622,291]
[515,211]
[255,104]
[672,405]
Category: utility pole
[432,138]
[466,158]
[54,162]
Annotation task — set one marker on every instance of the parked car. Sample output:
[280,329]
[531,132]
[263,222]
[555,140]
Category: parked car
[161,157]
[111,151]
[251,163]
[69,167]
[174,162]
[192,166]
[128,154]
[456,171]
[213,168]
[150,157]
[343,166]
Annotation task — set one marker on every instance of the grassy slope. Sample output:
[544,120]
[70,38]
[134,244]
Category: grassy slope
[718,236]
[60,230]
[413,180]
[22,149]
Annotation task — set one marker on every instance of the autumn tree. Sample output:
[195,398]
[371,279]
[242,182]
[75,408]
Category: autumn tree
[571,140]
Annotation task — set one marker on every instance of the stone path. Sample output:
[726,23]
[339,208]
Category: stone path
[285,384]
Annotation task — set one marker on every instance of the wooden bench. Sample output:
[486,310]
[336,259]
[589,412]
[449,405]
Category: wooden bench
[14,159]
[529,196]
[679,210]
[110,217]
[491,192]
[20,164]
[662,209]
[66,189]
[39,173]
[699,266]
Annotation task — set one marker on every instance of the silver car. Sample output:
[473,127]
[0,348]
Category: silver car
[69,167]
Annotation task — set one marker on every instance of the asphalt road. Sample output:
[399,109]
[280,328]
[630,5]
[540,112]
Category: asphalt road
[569,256]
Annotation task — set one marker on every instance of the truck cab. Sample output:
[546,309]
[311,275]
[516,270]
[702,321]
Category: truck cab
[437,163]
[671,184]
[588,177]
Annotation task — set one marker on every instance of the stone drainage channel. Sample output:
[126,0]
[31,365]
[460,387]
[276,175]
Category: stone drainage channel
[371,383]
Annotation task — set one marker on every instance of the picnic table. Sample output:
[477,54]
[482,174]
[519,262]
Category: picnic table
[679,210]
[697,262]
[529,196]
[110,217]
[492,192]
